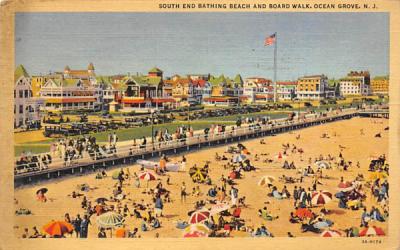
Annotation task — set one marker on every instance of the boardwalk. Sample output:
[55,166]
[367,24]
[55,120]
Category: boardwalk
[127,154]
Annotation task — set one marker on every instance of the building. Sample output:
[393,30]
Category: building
[26,105]
[258,89]
[355,84]
[286,90]
[312,87]
[380,85]
[62,94]
[224,91]
[144,93]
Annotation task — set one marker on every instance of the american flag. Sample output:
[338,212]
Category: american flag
[270,40]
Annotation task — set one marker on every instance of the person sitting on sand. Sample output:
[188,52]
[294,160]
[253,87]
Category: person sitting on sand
[275,193]
[294,218]
[181,224]
[263,213]
[285,193]
[35,234]
[212,192]
[155,223]
[41,197]
[144,225]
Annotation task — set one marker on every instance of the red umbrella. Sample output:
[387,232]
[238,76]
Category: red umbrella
[147,176]
[331,233]
[199,216]
[232,175]
[345,184]
[372,231]
[304,213]
[321,197]
[58,228]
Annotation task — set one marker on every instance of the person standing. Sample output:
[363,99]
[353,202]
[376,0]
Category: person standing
[183,164]
[77,225]
[183,192]
[295,196]
[158,205]
[84,226]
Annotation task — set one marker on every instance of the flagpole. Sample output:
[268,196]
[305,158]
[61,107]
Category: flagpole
[275,55]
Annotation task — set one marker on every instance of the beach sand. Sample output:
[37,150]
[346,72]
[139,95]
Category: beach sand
[356,148]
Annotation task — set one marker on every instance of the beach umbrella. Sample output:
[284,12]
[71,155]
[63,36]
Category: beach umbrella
[115,175]
[331,233]
[232,175]
[219,207]
[265,180]
[58,228]
[323,164]
[42,190]
[198,227]
[238,158]
[110,220]
[304,213]
[197,173]
[195,235]
[372,231]
[199,216]
[321,197]
[344,184]
[147,176]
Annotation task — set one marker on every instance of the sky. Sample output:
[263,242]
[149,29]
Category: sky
[198,43]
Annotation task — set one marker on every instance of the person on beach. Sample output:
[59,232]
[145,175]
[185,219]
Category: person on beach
[84,227]
[183,192]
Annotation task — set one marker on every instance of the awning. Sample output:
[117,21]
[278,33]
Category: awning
[70,100]
[132,101]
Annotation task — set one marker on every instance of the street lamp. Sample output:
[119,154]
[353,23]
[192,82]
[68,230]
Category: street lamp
[152,128]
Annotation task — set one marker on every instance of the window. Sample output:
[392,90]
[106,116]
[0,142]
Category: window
[26,93]
[21,94]
[21,109]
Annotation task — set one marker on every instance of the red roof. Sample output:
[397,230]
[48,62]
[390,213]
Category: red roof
[199,83]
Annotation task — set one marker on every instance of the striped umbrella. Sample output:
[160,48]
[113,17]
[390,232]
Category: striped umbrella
[195,234]
[331,233]
[219,207]
[199,216]
[372,231]
[110,220]
[321,197]
[323,164]
[265,180]
[58,228]
[196,230]
[147,176]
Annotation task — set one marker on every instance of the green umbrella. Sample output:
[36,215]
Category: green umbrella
[110,220]
[115,175]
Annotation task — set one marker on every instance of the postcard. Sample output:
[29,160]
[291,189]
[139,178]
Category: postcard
[200,124]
